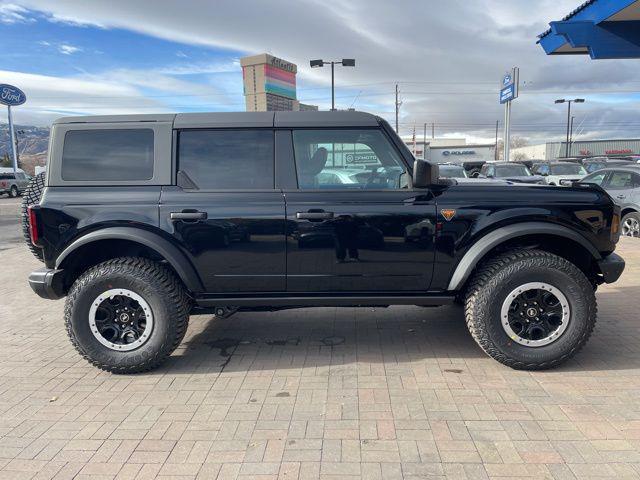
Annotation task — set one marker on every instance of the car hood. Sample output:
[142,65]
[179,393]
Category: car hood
[577,176]
[524,179]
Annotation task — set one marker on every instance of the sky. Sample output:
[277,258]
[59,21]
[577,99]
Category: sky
[76,57]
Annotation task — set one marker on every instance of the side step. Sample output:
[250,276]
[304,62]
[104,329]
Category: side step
[208,301]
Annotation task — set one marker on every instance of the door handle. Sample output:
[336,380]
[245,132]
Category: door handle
[314,215]
[621,196]
[186,215]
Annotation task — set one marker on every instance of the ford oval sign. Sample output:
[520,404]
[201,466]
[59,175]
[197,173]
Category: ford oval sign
[11,96]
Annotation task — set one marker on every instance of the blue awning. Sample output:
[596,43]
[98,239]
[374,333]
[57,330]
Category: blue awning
[599,28]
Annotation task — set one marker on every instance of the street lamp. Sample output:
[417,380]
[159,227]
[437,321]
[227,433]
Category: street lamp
[345,62]
[569,102]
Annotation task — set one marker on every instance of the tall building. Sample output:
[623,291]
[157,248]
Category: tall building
[270,84]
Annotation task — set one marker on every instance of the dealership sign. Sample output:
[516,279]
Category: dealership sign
[509,86]
[11,96]
[446,153]
[618,151]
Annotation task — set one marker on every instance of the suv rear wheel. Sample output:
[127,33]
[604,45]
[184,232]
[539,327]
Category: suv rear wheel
[126,315]
[530,309]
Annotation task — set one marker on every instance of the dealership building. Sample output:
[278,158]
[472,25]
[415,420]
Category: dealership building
[452,150]
[585,148]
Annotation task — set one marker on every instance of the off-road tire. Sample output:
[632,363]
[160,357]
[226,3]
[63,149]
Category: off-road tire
[31,196]
[499,276]
[159,287]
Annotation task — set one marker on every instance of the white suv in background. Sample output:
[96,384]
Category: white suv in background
[559,173]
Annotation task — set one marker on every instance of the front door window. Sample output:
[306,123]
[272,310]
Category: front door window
[347,160]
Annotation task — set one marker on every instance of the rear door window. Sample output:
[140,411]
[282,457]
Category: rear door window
[227,159]
[110,154]
[620,180]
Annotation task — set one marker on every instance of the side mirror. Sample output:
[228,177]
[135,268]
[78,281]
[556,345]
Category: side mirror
[425,174]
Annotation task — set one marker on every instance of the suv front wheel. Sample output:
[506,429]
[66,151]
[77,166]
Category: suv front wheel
[530,309]
[126,315]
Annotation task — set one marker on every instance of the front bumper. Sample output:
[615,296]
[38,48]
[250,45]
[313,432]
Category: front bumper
[47,283]
[611,267]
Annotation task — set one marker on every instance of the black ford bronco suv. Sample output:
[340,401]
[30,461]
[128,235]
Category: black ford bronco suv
[144,219]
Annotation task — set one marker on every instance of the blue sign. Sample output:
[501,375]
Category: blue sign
[507,94]
[507,80]
[11,96]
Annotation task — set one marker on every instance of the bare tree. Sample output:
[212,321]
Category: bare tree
[516,142]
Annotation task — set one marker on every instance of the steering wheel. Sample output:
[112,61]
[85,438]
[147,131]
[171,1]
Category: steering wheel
[372,181]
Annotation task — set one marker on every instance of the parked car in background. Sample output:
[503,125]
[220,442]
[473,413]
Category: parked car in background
[13,184]
[452,170]
[529,163]
[622,183]
[559,173]
[593,164]
[511,171]
[631,158]
[472,167]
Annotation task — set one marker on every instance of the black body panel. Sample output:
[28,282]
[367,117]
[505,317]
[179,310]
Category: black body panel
[67,213]
[370,240]
[239,246]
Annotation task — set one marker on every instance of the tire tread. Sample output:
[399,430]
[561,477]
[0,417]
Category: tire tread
[145,270]
[31,196]
[479,292]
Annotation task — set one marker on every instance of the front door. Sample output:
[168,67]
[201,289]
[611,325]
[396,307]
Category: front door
[352,223]
[225,212]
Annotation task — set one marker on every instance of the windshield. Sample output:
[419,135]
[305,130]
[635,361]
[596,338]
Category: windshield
[512,171]
[568,170]
[452,171]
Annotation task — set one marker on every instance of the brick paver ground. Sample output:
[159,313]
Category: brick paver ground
[318,393]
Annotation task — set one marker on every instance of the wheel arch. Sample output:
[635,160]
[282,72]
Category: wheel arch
[101,245]
[573,246]
[627,210]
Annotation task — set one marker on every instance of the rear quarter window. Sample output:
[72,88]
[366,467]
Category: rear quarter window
[108,155]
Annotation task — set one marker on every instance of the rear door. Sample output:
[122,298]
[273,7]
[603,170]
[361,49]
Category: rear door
[619,185]
[364,232]
[224,210]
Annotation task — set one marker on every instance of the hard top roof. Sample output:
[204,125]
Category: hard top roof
[240,119]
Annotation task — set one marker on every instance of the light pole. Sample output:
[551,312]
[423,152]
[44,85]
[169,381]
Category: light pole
[345,62]
[18,132]
[568,102]
[571,135]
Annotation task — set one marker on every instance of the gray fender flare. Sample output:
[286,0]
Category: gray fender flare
[494,238]
[166,249]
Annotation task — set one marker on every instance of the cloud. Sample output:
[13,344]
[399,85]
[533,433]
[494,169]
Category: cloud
[50,97]
[11,13]
[67,49]
[447,56]
[63,48]
[118,91]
